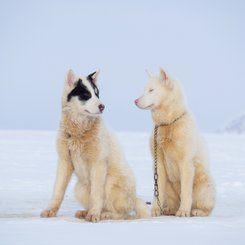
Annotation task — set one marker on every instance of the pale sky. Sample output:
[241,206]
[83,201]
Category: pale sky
[201,43]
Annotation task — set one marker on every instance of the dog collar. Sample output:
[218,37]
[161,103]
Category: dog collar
[168,124]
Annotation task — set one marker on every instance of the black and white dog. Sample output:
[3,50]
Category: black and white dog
[106,185]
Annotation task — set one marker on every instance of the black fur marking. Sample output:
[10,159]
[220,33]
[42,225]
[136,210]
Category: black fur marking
[90,79]
[81,91]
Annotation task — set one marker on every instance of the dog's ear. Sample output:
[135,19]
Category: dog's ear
[93,76]
[150,74]
[71,78]
[164,77]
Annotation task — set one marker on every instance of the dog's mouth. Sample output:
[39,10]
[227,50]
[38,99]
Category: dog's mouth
[137,103]
[93,113]
[147,107]
[150,106]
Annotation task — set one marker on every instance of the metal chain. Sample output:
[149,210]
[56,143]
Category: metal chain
[156,191]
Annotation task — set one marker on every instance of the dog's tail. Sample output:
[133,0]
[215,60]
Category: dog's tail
[142,211]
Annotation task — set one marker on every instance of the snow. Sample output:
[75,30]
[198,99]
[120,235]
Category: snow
[28,165]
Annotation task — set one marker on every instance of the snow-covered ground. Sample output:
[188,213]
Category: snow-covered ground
[27,171]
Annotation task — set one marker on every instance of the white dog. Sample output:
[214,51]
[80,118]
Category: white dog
[184,182]
[106,185]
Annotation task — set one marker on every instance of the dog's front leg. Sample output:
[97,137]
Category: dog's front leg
[186,183]
[162,180]
[63,176]
[97,192]
[156,210]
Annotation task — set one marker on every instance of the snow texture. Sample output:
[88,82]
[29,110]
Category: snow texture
[28,168]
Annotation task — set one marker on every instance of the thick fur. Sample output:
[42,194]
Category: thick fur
[185,185]
[106,185]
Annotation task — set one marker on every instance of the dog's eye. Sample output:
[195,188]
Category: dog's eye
[85,96]
[151,90]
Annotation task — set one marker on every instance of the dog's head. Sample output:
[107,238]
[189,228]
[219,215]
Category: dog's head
[160,89]
[81,95]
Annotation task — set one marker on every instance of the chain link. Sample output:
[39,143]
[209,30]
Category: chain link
[156,191]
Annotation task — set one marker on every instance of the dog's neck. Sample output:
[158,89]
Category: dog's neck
[78,126]
[167,114]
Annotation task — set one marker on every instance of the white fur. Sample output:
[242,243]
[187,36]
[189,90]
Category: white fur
[185,185]
[106,185]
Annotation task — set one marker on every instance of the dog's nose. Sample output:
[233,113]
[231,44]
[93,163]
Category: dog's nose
[136,102]
[101,107]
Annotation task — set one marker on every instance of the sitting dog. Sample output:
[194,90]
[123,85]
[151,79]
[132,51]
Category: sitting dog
[184,183]
[106,185]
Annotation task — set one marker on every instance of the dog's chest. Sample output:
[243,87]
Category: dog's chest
[80,158]
[171,168]
[81,169]
[170,161]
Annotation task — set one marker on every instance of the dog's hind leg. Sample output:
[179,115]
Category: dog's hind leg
[107,215]
[203,196]
[119,203]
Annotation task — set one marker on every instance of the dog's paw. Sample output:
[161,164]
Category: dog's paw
[49,213]
[169,211]
[155,211]
[81,214]
[183,213]
[93,217]
[199,212]
[106,215]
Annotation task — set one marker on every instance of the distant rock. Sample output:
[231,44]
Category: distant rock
[237,125]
